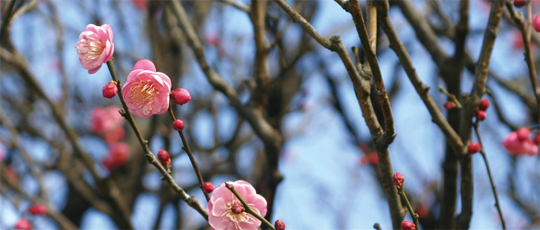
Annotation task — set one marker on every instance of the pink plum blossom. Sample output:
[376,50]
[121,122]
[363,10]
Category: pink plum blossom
[95,47]
[106,120]
[515,145]
[225,211]
[146,91]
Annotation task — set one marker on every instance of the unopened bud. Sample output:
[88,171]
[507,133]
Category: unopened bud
[449,105]
[110,89]
[38,209]
[484,104]
[164,158]
[398,180]
[180,96]
[520,3]
[474,147]
[208,187]
[481,115]
[407,225]
[536,23]
[178,125]
[23,224]
[279,225]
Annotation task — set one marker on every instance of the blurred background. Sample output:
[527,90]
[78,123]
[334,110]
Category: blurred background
[326,156]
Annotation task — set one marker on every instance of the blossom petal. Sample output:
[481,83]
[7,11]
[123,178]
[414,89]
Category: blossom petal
[145,64]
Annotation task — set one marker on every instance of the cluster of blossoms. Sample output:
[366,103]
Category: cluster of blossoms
[147,92]
[107,123]
[520,143]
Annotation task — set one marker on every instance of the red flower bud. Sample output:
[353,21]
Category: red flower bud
[407,225]
[23,224]
[178,125]
[481,115]
[449,105]
[110,89]
[208,187]
[38,209]
[279,225]
[474,147]
[520,3]
[164,157]
[536,23]
[523,134]
[484,104]
[398,180]
[180,96]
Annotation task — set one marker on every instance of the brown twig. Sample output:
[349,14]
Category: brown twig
[190,155]
[525,29]
[56,216]
[493,187]
[190,200]
[354,9]
[422,89]
[471,106]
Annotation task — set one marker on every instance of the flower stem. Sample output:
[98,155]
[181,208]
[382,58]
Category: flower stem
[248,209]
[190,200]
[451,96]
[401,192]
[190,155]
[493,188]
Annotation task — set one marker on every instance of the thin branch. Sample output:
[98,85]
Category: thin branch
[493,187]
[190,155]
[56,216]
[423,90]
[470,107]
[525,29]
[190,200]
[32,165]
[354,9]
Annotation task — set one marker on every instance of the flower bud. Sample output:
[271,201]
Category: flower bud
[398,180]
[474,147]
[164,158]
[38,209]
[407,225]
[536,23]
[481,115]
[178,125]
[180,96]
[449,105]
[207,187]
[520,3]
[279,225]
[110,89]
[523,134]
[23,224]
[484,104]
